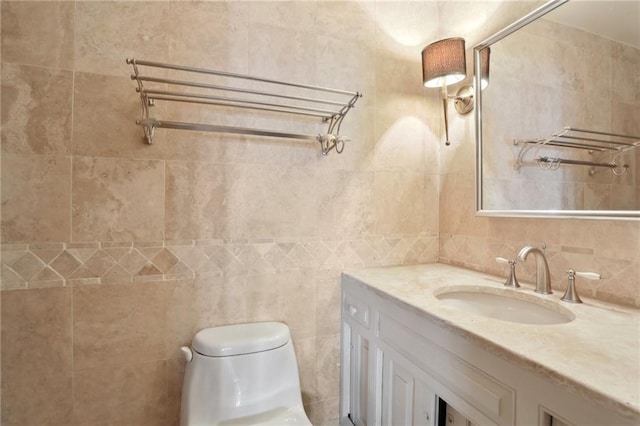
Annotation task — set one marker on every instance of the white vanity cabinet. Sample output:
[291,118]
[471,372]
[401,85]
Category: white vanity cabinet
[398,362]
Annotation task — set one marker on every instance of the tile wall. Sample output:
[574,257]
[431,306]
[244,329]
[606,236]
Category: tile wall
[114,253]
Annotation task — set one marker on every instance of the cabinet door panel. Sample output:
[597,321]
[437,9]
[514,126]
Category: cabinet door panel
[406,398]
[359,378]
[397,393]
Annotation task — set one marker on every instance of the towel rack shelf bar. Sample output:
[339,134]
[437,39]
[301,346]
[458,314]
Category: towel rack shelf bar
[235,89]
[230,129]
[234,75]
[233,102]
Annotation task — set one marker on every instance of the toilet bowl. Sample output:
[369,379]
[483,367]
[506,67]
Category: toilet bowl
[244,374]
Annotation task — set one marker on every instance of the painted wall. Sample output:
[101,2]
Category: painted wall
[115,252]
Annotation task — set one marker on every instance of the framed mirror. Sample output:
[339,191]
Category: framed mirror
[557,128]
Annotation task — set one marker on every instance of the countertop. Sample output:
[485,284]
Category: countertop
[597,354]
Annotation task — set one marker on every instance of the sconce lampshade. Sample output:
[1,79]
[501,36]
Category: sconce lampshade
[444,62]
[485,54]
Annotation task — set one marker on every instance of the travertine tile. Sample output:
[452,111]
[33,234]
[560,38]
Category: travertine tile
[358,16]
[268,212]
[131,393]
[399,205]
[204,201]
[104,121]
[297,291]
[109,32]
[116,199]
[328,366]
[175,378]
[36,357]
[65,264]
[38,33]
[345,203]
[36,110]
[210,34]
[118,325]
[36,198]
[305,349]
[327,300]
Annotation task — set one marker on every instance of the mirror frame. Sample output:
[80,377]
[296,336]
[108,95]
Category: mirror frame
[480,210]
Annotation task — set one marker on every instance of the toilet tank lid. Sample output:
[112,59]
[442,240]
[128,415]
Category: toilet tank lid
[240,339]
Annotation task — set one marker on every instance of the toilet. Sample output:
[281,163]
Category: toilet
[244,374]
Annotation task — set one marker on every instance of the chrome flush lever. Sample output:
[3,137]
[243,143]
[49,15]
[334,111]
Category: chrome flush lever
[571,295]
[512,280]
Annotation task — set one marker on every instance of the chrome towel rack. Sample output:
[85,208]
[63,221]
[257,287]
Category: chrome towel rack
[593,141]
[264,98]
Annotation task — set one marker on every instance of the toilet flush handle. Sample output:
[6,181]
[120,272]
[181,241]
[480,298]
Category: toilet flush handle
[188,355]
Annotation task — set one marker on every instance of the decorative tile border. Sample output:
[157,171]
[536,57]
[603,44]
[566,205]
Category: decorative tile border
[37,265]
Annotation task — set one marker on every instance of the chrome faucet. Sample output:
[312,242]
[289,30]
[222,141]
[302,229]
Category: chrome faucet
[543,277]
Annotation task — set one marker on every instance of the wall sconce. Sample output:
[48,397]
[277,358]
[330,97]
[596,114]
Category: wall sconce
[444,63]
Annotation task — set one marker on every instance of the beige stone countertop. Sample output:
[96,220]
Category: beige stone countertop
[597,354]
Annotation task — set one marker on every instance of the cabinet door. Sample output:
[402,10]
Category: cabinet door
[406,399]
[358,377]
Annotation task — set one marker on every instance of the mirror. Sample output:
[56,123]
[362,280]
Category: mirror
[557,128]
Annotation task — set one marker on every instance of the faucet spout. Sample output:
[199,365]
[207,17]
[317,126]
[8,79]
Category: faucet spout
[543,277]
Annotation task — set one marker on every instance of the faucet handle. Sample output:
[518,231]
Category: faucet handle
[512,280]
[588,275]
[571,295]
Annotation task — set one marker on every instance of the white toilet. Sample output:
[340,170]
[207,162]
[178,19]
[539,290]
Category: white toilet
[243,374]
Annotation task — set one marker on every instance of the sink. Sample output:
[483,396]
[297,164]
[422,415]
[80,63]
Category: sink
[505,305]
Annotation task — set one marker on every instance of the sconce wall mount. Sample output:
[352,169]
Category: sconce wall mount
[443,64]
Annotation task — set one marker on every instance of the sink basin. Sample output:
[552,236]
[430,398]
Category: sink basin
[512,306]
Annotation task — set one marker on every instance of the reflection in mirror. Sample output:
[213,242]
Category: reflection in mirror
[558,127]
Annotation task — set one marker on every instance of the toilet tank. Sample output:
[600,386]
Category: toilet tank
[240,371]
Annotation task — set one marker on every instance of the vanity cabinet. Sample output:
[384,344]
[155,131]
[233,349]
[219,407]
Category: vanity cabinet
[400,366]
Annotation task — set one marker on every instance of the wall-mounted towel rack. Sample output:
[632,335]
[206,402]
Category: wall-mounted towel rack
[263,98]
[594,142]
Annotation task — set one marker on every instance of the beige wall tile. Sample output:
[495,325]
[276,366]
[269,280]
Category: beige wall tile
[399,202]
[270,193]
[132,393]
[109,32]
[36,198]
[175,378]
[204,201]
[36,357]
[327,366]
[36,110]
[345,203]
[38,33]
[115,326]
[211,35]
[104,120]
[118,200]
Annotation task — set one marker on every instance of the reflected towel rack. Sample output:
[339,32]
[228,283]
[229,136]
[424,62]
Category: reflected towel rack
[595,142]
[264,98]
